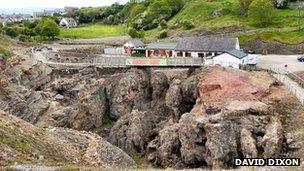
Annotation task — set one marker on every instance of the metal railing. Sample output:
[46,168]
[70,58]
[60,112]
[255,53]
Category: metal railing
[142,61]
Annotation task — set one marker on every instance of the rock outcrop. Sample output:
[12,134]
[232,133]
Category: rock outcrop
[21,141]
[131,92]
[242,129]
[131,132]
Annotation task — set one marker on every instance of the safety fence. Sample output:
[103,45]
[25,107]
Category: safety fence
[291,81]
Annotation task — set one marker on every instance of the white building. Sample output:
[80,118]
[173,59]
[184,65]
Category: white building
[234,59]
[68,22]
[133,45]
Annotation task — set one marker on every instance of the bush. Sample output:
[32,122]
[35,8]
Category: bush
[47,27]
[163,24]
[244,6]
[188,25]
[262,12]
[163,34]
[12,31]
[134,33]
[23,38]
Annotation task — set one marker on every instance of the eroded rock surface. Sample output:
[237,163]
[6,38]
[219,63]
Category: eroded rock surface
[23,141]
[215,140]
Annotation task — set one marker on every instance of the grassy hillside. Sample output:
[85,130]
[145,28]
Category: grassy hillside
[285,29]
[93,31]
[200,13]
[5,46]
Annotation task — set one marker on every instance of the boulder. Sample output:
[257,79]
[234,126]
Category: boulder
[131,131]
[248,144]
[93,106]
[131,92]
[159,84]
[174,99]
[193,139]
[164,151]
[273,139]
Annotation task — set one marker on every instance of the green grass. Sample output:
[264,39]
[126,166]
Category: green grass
[93,31]
[5,46]
[200,13]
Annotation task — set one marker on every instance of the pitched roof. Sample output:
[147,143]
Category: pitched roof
[161,46]
[136,42]
[237,53]
[207,44]
[70,20]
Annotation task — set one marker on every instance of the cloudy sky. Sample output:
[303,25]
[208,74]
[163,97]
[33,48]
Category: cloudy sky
[55,3]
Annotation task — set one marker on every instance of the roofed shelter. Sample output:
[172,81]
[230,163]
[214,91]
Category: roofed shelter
[132,46]
[160,49]
[205,46]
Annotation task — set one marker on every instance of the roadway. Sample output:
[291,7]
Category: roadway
[279,61]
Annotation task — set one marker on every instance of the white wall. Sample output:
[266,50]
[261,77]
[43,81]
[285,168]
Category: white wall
[227,60]
[237,46]
[129,45]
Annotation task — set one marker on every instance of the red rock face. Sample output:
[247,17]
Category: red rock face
[205,88]
[218,86]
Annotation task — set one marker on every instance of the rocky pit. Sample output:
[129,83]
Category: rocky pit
[179,118]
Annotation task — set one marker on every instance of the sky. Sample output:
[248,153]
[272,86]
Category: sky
[27,5]
[55,3]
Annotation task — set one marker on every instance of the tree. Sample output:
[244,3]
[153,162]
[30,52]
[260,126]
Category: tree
[47,27]
[244,6]
[262,12]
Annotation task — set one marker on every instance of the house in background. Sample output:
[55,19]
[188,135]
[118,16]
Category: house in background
[68,23]
[205,46]
[133,46]
[160,49]
[234,58]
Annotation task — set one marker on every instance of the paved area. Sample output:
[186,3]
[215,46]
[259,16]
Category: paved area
[279,61]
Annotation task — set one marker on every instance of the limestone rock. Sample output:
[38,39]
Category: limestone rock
[174,98]
[164,150]
[131,92]
[91,110]
[273,138]
[131,131]
[248,144]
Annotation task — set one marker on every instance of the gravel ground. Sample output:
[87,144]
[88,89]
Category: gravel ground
[279,61]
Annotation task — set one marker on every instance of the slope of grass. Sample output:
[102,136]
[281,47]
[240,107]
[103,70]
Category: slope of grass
[5,46]
[200,13]
[93,31]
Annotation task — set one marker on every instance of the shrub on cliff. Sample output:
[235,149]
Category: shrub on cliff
[262,12]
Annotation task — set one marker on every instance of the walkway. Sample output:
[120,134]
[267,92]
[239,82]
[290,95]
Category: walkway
[122,61]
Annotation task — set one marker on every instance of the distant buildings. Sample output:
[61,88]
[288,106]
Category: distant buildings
[49,13]
[10,18]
